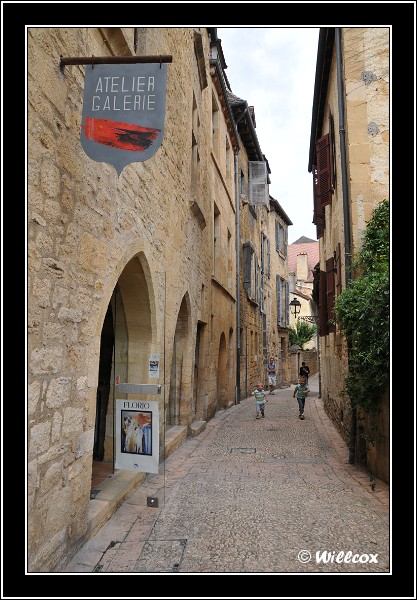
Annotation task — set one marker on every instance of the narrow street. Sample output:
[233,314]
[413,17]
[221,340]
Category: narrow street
[274,495]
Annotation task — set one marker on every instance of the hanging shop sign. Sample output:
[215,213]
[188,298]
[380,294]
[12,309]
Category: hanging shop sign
[137,435]
[123,112]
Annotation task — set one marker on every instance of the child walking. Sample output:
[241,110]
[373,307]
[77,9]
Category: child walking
[301,390]
[260,397]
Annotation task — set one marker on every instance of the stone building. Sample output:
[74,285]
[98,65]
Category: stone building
[263,233]
[135,278]
[349,160]
[277,321]
[303,256]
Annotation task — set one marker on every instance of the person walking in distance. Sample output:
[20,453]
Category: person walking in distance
[260,397]
[304,371]
[272,374]
[301,390]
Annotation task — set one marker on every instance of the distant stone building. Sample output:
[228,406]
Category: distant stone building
[303,256]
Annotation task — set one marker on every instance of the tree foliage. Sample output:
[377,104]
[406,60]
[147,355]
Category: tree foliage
[302,333]
[362,311]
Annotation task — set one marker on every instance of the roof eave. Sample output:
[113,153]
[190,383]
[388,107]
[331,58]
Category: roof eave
[323,64]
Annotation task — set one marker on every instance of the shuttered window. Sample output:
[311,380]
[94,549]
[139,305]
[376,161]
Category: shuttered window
[280,301]
[330,277]
[285,241]
[280,238]
[324,183]
[269,258]
[287,304]
[323,326]
[247,259]
[332,153]
[318,215]
[252,280]
[258,188]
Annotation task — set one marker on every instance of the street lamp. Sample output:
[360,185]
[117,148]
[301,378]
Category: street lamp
[295,307]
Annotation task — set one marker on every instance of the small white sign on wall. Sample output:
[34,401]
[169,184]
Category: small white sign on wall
[137,435]
[154,366]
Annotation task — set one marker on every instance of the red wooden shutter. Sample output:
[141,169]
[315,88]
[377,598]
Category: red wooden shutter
[323,170]
[330,270]
[332,170]
[318,215]
[323,326]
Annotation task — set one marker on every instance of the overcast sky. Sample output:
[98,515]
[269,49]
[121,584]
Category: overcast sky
[273,69]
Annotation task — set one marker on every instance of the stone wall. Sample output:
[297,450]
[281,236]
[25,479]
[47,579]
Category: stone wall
[92,232]
[366,90]
[125,266]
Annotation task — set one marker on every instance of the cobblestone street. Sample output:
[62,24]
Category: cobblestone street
[274,495]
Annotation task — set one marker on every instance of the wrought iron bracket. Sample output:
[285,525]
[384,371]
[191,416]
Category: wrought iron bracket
[310,319]
[113,60]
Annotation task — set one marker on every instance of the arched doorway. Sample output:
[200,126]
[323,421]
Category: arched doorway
[128,331]
[103,385]
[177,380]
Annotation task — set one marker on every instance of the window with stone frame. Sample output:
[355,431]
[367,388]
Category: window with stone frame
[281,238]
[215,125]
[282,294]
[195,155]
[242,185]
[251,272]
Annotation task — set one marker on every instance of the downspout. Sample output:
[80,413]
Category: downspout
[346,213]
[237,205]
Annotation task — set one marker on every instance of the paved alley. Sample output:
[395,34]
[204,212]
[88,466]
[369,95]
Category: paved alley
[274,495]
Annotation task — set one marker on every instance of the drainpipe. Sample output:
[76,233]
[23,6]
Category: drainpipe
[237,205]
[346,212]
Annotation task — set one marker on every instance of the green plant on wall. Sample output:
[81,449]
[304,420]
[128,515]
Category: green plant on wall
[362,311]
[302,333]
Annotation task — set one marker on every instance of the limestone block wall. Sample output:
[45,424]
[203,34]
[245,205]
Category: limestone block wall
[367,112]
[366,85]
[85,224]
[333,368]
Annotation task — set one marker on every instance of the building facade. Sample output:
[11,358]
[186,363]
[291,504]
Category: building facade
[349,160]
[262,259]
[303,256]
[135,269]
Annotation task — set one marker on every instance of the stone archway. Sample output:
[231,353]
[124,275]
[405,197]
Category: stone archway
[127,339]
[104,383]
[180,374]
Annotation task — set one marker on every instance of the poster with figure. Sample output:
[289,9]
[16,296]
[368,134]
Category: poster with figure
[154,366]
[137,435]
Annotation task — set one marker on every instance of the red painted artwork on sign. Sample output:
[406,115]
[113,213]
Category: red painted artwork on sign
[123,112]
[123,136]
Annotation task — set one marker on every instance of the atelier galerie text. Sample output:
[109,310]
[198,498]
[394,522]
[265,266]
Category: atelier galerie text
[124,93]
